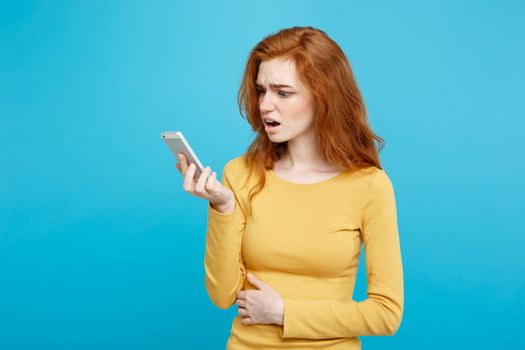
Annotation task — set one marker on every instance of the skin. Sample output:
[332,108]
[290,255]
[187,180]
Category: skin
[302,162]
[294,107]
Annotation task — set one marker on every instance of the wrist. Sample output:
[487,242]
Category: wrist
[280,313]
[224,208]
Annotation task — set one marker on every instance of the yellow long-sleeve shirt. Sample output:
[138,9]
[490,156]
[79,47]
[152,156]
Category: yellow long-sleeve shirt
[304,240]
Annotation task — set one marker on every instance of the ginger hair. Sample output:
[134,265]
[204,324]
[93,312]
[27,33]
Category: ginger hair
[343,131]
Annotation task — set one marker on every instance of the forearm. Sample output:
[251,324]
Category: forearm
[324,319]
[225,272]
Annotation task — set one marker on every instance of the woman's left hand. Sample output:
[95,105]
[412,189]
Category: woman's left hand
[263,305]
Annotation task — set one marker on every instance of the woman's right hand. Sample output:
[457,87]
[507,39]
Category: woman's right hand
[207,186]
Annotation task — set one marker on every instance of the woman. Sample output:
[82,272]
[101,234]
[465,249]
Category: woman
[286,224]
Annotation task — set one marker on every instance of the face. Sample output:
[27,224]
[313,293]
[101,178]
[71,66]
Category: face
[283,98]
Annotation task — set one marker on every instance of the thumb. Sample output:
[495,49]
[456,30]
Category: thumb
[256,282]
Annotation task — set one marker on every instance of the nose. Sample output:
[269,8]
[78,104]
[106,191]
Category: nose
[266,103]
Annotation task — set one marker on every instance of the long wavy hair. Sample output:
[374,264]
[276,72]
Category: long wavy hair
[343,132]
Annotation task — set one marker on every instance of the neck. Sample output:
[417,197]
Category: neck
[303,154]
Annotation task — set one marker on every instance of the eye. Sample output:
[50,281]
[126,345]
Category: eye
[284,93]
[260,91]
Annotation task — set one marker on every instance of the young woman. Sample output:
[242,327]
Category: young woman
[287,221]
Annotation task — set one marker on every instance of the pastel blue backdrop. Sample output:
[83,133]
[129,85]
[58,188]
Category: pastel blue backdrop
[100,247]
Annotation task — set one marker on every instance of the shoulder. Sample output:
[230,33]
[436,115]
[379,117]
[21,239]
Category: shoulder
[372,177]
[235,165]
[235,169]
[234,173]
[372,174]
[379,178]
[378,184]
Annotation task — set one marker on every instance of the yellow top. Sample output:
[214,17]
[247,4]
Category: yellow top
[304,240]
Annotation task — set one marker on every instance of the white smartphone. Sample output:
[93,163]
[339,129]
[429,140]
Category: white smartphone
[178,144]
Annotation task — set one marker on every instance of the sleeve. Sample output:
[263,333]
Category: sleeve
[224,268]
[381,312]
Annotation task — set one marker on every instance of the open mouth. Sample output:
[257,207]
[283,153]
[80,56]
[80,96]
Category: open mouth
[271,123]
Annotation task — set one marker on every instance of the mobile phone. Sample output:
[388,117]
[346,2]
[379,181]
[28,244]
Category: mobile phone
[178,144]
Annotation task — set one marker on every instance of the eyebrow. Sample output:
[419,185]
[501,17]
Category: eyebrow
[276,86]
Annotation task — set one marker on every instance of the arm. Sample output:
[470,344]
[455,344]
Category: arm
[381,312]
[223,264]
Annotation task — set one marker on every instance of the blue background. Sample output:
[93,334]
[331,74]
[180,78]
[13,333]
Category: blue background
[100,247]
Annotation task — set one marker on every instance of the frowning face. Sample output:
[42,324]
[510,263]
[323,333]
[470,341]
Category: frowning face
[285,100]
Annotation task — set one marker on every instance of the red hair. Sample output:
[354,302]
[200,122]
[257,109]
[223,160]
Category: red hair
[343,132]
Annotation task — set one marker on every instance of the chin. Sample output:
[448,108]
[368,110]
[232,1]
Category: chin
[277,138]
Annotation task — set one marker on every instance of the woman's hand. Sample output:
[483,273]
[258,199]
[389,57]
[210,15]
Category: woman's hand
[263,306]
[207,186]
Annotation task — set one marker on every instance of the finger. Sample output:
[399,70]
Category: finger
[240,302]
[199,187]
[246,321]
[183,163]
[243,312]
[256,282]
[178,166]
[241,295]
[210,184]
[188,178]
